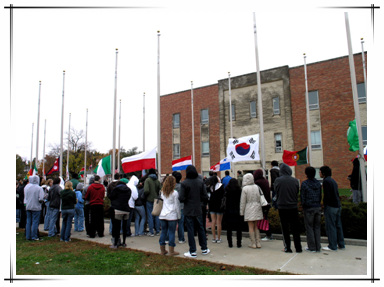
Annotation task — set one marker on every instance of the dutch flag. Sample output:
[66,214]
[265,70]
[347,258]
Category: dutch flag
[181,163]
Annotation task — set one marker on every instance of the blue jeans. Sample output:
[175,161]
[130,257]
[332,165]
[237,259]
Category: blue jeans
[333,227]
[180,229]
[139,220]
[67,215]
[190,222]
[32,226]
[18,215]
[168,228]
[53,215]
[153,221]
[46,218]
[79,219]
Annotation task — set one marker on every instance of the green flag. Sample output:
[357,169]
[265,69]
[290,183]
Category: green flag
[352,136]
[104,166]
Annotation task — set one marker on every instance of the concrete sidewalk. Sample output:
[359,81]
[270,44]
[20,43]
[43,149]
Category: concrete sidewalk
[351,261]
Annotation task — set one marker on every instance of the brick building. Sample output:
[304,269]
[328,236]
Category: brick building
[284,117]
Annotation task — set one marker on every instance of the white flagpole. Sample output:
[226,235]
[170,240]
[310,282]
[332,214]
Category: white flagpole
[357,110]
[230,114]
[118,153]
[45,128]
[158,105]
[85,148]
[193,127]
[30,163]
[307,108]
[69,136]
[38,127]
[143,122]
[114,120]
[365,72]
[62,129]
[260,101]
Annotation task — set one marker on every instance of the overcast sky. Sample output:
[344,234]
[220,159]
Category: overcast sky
[198,42]
[201,41]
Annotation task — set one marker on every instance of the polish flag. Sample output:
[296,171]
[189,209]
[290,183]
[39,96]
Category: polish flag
[144,160]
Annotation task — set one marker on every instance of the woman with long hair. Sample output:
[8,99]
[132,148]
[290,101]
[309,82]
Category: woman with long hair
[250,207]
[68,201]
[232,211]
[169,215]
[217,193]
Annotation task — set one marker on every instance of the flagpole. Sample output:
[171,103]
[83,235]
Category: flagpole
[69,136]
[193,127]
[260,102]
[158,105]
[62,129]
[357,110]
[307,108]
[38,127]
[30,164]
[45,127]
[230,112]
[118,153]
[85,147]
[143,122]
[114,120]
[365,72]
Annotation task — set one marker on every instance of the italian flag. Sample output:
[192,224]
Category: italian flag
[81,173]
[141,161]
[293,158]
[104,166]
[32,171]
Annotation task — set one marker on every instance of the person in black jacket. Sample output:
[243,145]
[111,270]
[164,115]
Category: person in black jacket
[355,179]
[20,203]
[120,196]
[332,211]
[192,193]
[54,207]
[232,211]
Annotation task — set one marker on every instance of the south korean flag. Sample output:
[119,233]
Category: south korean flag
[243,149]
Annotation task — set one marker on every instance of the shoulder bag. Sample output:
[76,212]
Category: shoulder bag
[263,201]
[157,206]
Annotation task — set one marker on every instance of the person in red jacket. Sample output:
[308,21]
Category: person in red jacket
[95,194]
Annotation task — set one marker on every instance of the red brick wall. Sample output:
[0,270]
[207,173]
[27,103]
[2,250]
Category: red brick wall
[204,97]
[332,80]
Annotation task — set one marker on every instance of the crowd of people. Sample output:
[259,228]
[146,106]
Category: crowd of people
[186,204]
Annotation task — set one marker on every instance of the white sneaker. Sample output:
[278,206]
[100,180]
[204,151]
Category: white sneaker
[214,240]
[205,251]
[182,241]
[190,255]
[266,238]
[328,249]
[219,241]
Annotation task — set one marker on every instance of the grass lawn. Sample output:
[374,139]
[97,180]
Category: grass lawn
[78,257]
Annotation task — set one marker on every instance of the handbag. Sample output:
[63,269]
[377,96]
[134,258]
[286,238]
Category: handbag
[263,224]
[157,206]
[263,201]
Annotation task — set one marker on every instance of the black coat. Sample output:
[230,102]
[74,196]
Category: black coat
[120,196]
[233,196]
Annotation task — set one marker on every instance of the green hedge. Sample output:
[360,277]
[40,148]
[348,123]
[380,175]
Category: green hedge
[353,218]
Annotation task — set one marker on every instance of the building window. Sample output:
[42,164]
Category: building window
[205,148]
[362,97]
[364,133]
[278,143]
[176,151]
[204,116]
[252,109]
[315,140]
[176,121]
[276,106]
[317,175]
[233,113]
[313,100]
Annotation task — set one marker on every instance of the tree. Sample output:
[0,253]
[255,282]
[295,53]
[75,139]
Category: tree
[20,167]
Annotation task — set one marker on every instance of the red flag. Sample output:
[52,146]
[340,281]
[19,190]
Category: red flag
[293,158]
[54,168]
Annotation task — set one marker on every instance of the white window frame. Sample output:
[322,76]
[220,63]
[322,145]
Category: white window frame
[252,114]
[205,145]
[316,105]
[276,111]
[278,149]
[316,146]
[362,97]
[204,121]
[176,151]
[174,122]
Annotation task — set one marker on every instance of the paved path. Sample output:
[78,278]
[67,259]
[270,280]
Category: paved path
[351,261]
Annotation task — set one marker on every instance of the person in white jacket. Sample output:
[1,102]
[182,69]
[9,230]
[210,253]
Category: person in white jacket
[132,184]
[169,215]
